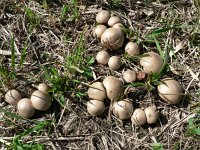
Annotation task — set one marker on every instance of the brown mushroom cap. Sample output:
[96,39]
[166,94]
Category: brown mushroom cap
[114,20]
[151,62]
[95,107]
[151,114]
[44,88]
[118,26]
[170,91]
[98,30]
[102,17]
[132,49]
[138,117]
[13,97]
[97,91]
[114,87]
[123,109]
[25,108]
[112,38]
[114,63]
[102,57]
[40,101]
[129,76]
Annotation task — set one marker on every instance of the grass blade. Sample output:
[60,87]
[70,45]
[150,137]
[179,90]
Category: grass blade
[13,54]
[163,30]
[158,46]
[23,56]
[11,114]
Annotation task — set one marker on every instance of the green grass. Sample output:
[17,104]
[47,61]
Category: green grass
[70,12]
[78,61]
[58,82]
[6,73]
[13,54]
[157,146]
[115,3]
[194,126]
[17,143]
[33,19]
[77,68]
[23,56]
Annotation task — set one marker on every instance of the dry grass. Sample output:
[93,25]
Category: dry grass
[55,46]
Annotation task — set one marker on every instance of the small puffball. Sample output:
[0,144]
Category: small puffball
[114,63]
[170,91]
[13,97]
[123,109]
[129,76]
[102,57]
[114,20]
[139,118]
[25,108]
[103,17]
[95,107]
[112,38]
[132,49]
[97,91]
[151,62]
[114,88]
[98,30]
[40,101]
[152,115]
[44,88]
[118,26]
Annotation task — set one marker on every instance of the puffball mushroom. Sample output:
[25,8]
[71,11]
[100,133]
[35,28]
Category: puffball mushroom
[103,16]
[44,88]
[123,109]
[98,30]
[151,114]
[97,91]
[138,118]
[129,76]
[114,87]
[40,101]
[102,57]
[113,20]
[118,26]
[112,38]
[170,91]
[95,107]
[13,97]
[114,63]
[132,49]
[25,108]
[151,62]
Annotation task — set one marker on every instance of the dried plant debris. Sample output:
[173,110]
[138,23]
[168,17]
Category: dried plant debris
[54,42]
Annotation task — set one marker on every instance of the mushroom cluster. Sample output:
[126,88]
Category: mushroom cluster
[26,107]
[112,88]
[109,31]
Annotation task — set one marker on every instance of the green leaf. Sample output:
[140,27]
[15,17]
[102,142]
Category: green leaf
[77,69]
[91,60]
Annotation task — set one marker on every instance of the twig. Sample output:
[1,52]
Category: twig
[8,53]
[46,138]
